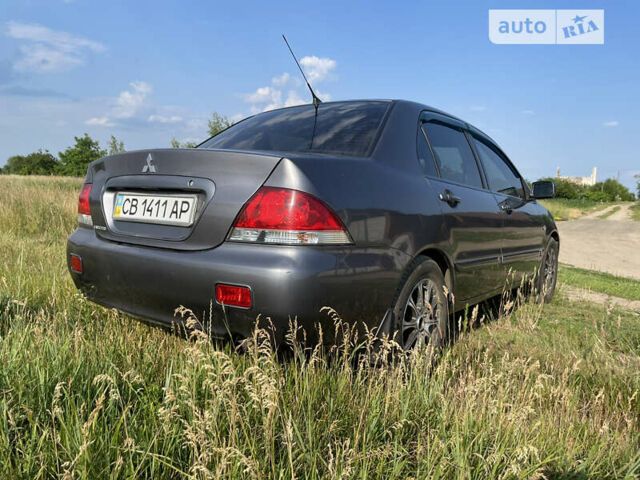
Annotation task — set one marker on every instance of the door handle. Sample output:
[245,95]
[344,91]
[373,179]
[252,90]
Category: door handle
[448,197]
[505,207]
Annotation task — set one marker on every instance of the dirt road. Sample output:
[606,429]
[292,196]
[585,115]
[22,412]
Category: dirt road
[610,244]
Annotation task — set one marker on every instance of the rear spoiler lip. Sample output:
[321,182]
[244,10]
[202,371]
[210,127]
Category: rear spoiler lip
[289,153]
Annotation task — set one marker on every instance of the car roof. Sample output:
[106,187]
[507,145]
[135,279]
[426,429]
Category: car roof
[409,103]
[418,107]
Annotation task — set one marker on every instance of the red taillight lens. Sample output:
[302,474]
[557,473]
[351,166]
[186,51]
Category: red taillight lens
[285,209]
[83,200]
[76,263]
[283,215]
[233,295]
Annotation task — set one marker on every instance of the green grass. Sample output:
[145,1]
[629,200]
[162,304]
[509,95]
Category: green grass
[565,209]
[543,392]
[610,212]
[635,211]
[600,282]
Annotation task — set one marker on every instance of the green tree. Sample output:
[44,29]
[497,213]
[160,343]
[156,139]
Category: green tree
[75,160]
[217,123]
[115,146]
[176,144]
[637,177]
[36,163]
[608,191]
[566,189]
[613,190]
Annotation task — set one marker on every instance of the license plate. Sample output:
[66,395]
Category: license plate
[161,209]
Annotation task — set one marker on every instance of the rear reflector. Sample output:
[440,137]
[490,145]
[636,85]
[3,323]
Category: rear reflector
[289,217]
[233,295]
[84,209]
[76,263]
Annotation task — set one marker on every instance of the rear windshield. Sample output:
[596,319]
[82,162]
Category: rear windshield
[343,128]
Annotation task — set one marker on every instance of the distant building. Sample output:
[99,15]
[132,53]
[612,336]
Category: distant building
[588,181]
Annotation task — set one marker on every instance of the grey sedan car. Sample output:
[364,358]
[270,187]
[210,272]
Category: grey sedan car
[392,213]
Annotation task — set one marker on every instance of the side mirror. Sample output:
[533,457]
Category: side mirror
[543,189]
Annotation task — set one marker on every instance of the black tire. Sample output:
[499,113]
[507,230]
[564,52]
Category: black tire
[434,326]
[548,272]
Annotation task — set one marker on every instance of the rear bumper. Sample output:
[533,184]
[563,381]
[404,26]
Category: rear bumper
[286,282]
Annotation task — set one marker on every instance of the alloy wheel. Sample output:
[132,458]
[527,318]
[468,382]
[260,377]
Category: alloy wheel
[550,270]
[422,315]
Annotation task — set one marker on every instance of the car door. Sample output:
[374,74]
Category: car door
[470,212]
[523,230]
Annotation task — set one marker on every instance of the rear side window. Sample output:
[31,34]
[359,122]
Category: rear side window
[342,128]
[425,158]
[453,154]
[500,176]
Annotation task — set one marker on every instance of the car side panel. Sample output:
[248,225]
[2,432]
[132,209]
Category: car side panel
[524,237]
[475,233]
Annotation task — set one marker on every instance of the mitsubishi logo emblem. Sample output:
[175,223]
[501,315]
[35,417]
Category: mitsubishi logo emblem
[149,167]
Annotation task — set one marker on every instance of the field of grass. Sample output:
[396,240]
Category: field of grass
[600,282]
[635,211]
[542,392]
[565,209]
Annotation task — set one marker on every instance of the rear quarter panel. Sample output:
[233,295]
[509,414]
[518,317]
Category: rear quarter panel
[390,209]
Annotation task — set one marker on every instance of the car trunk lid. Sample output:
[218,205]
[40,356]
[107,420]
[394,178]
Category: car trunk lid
[219,181]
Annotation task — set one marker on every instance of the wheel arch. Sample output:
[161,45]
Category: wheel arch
[443,261]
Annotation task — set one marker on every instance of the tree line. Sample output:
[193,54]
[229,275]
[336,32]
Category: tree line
[609,190]
[74,160]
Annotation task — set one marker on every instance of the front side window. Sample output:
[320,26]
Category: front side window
[453,154]
[500,177]
[342,128]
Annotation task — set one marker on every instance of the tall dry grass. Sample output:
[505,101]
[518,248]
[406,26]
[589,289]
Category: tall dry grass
[542,392]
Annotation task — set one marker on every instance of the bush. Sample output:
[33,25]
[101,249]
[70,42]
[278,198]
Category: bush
[596,196]
[608,191]
[614,190]
[36,163]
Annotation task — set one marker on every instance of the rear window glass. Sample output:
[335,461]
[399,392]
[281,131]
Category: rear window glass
[343,128]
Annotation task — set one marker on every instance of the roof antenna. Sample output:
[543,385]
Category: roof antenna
[316,100]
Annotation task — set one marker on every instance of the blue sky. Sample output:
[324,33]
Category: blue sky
[149,71]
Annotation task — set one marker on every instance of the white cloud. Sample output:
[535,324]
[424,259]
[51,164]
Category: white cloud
[237,117]
[164,119]
[284,90]
[613,123]
[48,51]
[135,105]
[264,94]
[294,99]
[282,80]
[317,69]
[61,40]
[324,96]
[100,121]
[58,119]
[132,104]
[129,101]
[528,112]
[42,59]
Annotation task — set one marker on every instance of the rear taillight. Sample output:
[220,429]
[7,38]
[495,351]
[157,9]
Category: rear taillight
[290,217]
[233,295]
[84,209]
